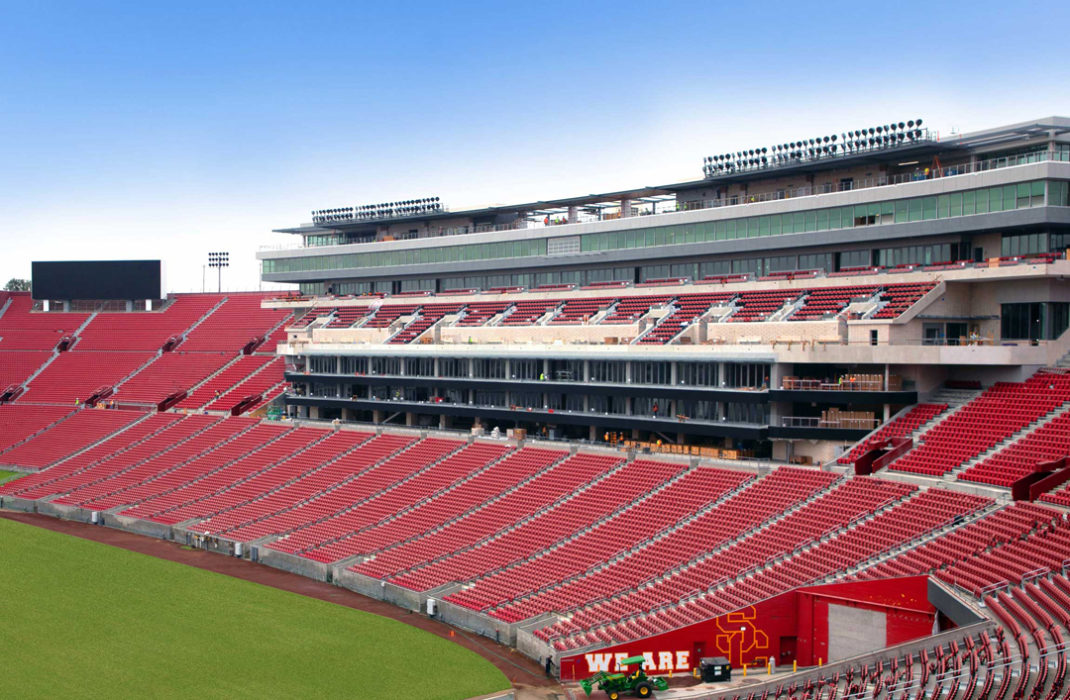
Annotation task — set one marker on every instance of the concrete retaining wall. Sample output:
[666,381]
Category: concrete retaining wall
[365,585]
[402,597]
[21,504]
[534,648]
[293,564]
[477,622]
[140,527]
[57,510]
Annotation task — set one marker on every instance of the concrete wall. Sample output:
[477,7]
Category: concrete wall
[854,631]
[819,451]
[294,564]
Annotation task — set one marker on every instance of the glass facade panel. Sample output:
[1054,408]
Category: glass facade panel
[918,209]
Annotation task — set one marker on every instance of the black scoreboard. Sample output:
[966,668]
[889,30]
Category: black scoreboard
[98,279]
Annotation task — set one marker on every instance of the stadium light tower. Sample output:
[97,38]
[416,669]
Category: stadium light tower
[219,261]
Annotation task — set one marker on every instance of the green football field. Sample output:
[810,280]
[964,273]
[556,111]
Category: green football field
[8,476]
[81,619]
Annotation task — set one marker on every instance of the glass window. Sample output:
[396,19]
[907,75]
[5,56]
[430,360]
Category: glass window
[915,209]
[969,203]
[928,208]
[955,204]
[943,206]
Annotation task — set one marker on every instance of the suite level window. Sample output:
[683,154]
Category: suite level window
[1034,321]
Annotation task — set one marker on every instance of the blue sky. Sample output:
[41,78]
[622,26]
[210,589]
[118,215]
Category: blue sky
[132,130]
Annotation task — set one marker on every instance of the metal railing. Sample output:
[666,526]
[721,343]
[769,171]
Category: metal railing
[816,422]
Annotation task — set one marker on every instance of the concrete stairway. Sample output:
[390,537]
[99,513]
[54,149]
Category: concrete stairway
[672,309]
[202,319]
[724,583]
[31,437]
[426,499]
[438,494]
[96,443]
[917,542]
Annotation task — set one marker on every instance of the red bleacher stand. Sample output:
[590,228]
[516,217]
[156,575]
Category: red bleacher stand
[66,437]
[1050,441]
[687,307]
[902,426]
[76,375]
[17,423]
[996,414]
[145,330]
[171,373]
[429,315]
[232,325]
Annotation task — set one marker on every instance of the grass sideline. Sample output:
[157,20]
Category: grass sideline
[84,619]
[8,476]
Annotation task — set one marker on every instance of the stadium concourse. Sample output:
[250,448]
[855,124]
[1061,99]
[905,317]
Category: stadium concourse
[134,421]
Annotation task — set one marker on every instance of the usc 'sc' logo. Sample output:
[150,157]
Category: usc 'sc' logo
[738,635]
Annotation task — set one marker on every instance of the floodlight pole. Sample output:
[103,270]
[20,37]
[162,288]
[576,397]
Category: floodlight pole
[219,261]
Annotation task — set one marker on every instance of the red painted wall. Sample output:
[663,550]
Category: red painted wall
[904,602]
[790,627]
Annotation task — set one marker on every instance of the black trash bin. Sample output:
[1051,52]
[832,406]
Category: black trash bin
[715,669]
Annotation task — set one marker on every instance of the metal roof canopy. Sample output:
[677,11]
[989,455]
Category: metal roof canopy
[1011,132]
[653,193]
[963,142]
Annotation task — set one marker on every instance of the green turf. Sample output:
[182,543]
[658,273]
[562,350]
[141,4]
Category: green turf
[81,619]
[8,476]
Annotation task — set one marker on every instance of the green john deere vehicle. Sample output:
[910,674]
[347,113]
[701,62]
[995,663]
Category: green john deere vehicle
[636,683]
